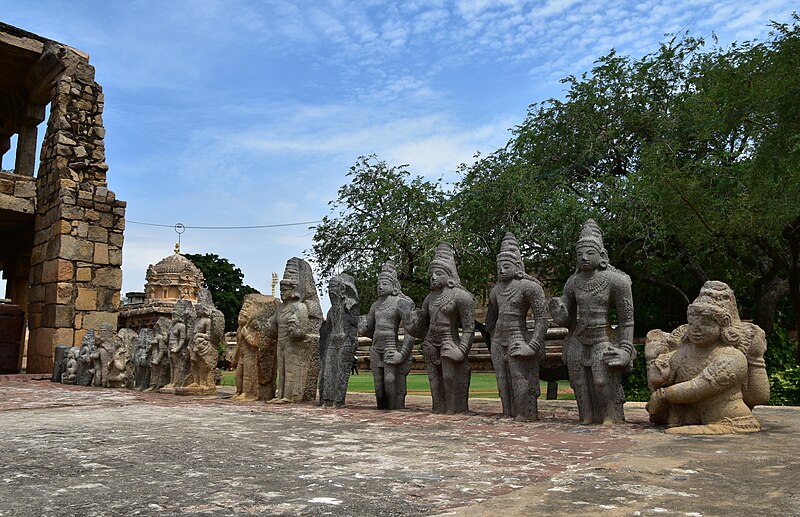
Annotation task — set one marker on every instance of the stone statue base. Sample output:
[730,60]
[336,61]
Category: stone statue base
[196,390]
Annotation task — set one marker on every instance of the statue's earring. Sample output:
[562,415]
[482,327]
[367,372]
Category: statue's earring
[451,283]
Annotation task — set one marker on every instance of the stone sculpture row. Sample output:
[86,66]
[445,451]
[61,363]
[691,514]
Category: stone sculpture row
[176,356]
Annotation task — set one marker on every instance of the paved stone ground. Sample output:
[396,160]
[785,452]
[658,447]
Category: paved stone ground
[68,450]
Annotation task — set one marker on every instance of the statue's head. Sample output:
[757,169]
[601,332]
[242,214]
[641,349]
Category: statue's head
[342,289]
[707,321]
[290,283]
[591,255]
[442,270]
[509,260]
[387,280]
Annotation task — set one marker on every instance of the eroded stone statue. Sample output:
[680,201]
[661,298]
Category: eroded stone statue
[596,356]
[707,375]
[295,329]
[255,358]
[181,333]
[142,358]
[116,374]
[85,373]
[515,351]
[129,337]
[446,323]
[389,360]
[338,339]
[209,328]
[103,354]
[70,375]
[160,369]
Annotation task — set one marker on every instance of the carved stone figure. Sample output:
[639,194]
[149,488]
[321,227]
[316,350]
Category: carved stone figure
[255,358]
[160,369]
[515,351]
[338,339]
[181,333]
[706,376]
[142,358]
[85,373]
[128,337]
[295,328]
[103,354]
[70,375]
[448,308]
[596,357]
[389,360]
[116,374]
[208,333]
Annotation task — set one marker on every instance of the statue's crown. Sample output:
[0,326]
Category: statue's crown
[591,234]
[509,250]
[444,257]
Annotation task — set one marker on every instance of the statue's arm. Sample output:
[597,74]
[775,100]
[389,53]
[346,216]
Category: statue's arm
[419,320]
[623,299]
[535,298]
[563,309]
[366,324]
[728,370]
[466,312]
[492,312]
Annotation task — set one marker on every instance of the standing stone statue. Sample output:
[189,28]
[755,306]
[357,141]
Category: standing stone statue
[706,376]
[85,373]
[181,333]
[255,358]
[295,328]
[160,369]
[116,374]
[595,356]
[447,308]
[338,339]
[70,375]
[515,351]
[103,354]
[389,360]
[142,357]
[128,337]
[209,329]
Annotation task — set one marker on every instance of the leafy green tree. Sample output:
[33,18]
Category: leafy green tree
[382,213]
[225,281]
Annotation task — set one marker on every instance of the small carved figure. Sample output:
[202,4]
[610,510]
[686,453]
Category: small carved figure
[116,374]
[338,339]
[142,357]
[129,337]
[447,308]
[203,348]
[102,355]
[704,375]
[515,351]
[180,335]
[595,357]
[160,369]
[70,374]
[255,357]
[295,328]
[85,373]
[389,360]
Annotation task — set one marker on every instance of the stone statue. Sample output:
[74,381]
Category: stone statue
[70,375]
[515,351]
[142,357]
[707,375]
[255,358]
[295,329]
[116,374]
[595,357]
[128,337]
[181,333]
[160,370]
[85,373]
[208,333]
[338,339]
[447,308]
[103,354]
[389,360]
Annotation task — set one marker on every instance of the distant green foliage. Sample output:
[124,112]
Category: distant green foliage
[784,387]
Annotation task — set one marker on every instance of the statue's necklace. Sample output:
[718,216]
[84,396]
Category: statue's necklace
[444,298]
[509,291]
[593,285]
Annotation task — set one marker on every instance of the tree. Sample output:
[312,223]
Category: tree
[382,213]
[225,281]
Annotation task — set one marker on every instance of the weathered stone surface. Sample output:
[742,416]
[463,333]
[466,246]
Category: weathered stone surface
[255,358]
[208,333]
[338,338]
[128,339]
[85,372]
[295,329]
[86,299]
[181,333]
[448,308]
[390,360]
[595,356]
[160,369]
[515,351]
[142,357]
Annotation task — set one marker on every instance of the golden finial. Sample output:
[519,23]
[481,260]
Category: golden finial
[177,247]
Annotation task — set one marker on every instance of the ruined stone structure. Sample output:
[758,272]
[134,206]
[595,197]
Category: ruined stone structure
[62,231]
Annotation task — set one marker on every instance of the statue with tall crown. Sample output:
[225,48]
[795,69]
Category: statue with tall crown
[516,352]
[596,356]
[446,323]
[338,339]
[295,329]
[181,334]
[209,330]
[706,376]
[389,359]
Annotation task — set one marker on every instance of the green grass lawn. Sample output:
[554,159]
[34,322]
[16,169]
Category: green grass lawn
[482,385]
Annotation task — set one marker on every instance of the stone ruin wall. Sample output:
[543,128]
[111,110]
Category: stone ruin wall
[76,260]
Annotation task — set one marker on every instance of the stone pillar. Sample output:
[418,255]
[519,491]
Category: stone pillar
[33,115]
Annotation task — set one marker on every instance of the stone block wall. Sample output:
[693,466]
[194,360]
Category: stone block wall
[76,273]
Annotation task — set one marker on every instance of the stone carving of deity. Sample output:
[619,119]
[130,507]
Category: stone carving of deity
[338,338]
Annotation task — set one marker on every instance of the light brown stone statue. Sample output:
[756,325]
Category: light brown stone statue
[596,356]
[448,308]
[389,359]
[515,351]
[706,376]
[181,332]
[255,358]
[160,372]
[116,376]
[129,338]
[209,329]
[295,329]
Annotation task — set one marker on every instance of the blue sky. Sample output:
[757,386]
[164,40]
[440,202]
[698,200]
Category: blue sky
[237,112]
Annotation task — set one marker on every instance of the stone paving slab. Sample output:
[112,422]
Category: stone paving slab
[69,450]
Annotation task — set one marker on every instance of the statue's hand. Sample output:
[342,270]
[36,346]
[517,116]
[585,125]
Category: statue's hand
[558,311]
[520,349]
[614,356]
[405,306]
[658,402]
[392,358]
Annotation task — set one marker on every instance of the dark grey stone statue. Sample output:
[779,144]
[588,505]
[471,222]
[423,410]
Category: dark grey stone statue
[181,333]
[596,356]
[104,346]
[515,351]
[85,372]
[160,371]
[338,338]
[70,374]
[142,359]
[448,308]
[129,339]
[389,360]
